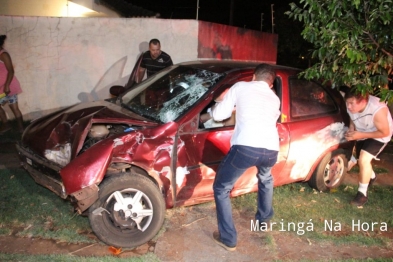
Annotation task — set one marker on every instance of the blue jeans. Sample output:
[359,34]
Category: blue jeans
[238,159]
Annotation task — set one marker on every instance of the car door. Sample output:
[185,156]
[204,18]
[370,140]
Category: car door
[315,124]
[206,147]
[134,74]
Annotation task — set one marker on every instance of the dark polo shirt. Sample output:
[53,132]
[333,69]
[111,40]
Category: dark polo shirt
[154,65]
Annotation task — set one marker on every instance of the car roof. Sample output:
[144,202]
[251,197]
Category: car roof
[226,66]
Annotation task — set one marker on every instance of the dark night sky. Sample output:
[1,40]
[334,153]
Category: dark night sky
[246,13]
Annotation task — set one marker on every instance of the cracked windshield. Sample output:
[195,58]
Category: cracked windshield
[167,95]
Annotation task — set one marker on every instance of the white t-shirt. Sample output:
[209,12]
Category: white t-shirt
[257,111]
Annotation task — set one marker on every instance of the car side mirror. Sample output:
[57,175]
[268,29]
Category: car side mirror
[116,90]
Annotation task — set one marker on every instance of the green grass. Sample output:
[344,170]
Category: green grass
[377,170]
[297,203]
[35,211]
[60,258]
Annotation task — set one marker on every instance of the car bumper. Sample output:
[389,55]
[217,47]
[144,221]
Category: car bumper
[43,171]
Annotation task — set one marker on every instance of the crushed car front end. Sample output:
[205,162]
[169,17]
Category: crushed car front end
[70,151]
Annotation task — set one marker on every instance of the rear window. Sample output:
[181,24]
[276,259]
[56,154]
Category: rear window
[308,99]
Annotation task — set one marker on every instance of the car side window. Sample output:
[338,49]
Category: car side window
[308,98]
[205,120]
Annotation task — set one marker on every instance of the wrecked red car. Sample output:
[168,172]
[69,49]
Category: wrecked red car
[125,160]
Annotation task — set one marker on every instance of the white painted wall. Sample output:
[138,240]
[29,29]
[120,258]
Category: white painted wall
[63,61]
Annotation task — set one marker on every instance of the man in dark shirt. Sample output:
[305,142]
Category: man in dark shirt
[153,60]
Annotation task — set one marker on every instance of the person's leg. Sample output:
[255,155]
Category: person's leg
[231,168]
[18,115]
[6,125]
[3,116]
[265,186]
[369,150]
[365,167]
[353,161]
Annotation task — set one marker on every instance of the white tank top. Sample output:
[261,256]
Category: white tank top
[364,121]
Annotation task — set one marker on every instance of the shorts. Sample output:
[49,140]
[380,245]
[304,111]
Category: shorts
[371,146]
[10,99]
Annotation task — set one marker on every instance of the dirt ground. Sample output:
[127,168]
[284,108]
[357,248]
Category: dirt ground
[186,235]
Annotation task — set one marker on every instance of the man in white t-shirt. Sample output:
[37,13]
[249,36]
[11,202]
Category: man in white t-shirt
[254,142]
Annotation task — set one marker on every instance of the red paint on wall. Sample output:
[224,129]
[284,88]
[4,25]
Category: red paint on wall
[228,42]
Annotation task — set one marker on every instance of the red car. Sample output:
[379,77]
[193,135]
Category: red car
[125,160]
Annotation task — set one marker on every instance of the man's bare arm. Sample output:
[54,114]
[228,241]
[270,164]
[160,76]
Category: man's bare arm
[381,123]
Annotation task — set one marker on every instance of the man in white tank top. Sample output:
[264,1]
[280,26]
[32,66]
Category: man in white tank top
[371,126]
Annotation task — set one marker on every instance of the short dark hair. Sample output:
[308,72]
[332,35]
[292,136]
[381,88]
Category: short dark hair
[2,39]
[155,41]
[265,72]
[354,93]
[345,89]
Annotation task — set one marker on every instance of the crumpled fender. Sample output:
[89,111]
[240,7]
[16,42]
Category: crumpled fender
[138,147]
[88,168]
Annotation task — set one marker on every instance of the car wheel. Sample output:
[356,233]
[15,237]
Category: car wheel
[330,171]
[130,210]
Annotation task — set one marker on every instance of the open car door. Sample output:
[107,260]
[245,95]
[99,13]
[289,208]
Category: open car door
[118,90]
[134,74]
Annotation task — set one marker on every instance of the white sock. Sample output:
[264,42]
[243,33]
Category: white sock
[373,175]
[353,159]
[363,188]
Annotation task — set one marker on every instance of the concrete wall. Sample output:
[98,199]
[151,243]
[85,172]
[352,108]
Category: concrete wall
[63,61]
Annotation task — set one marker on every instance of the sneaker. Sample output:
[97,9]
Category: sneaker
[359,199]
[372,180]
[216,238]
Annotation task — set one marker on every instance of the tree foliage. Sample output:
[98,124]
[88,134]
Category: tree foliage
[292,50]
[353,42]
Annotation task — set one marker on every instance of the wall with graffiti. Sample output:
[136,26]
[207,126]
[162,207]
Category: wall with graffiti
[229,42]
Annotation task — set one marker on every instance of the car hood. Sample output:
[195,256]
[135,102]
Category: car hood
[71,125]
